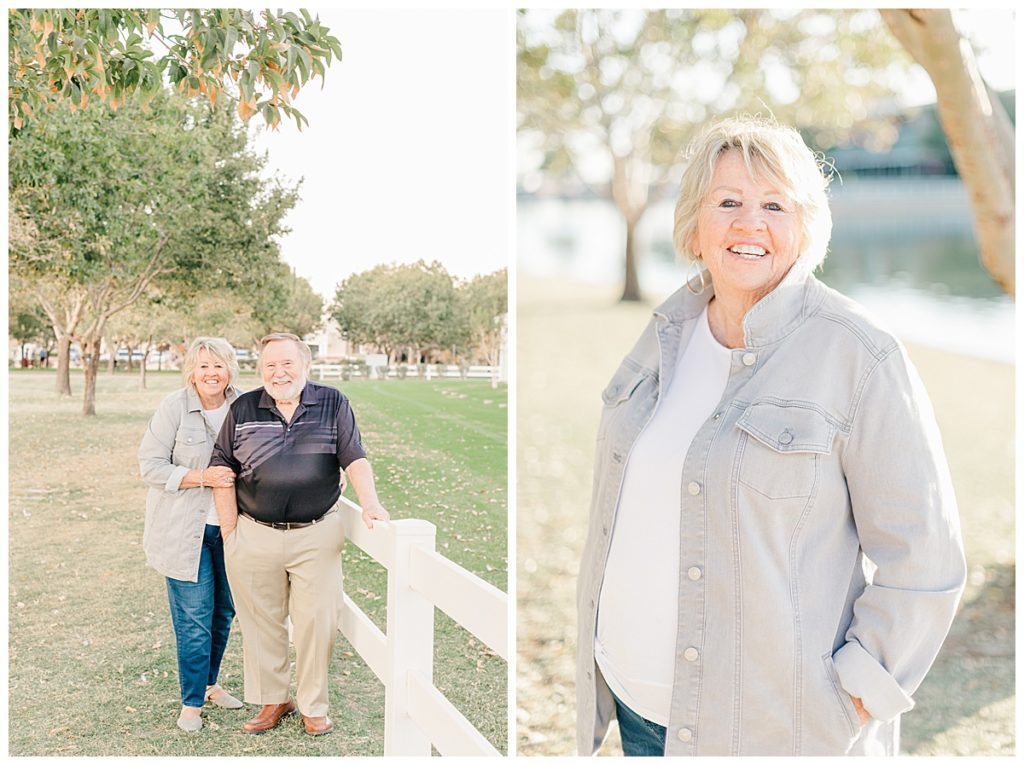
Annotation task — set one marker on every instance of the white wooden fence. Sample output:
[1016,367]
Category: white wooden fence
[416,714]
[433,371]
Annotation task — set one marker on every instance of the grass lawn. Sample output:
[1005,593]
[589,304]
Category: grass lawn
[91,648]
[570,340]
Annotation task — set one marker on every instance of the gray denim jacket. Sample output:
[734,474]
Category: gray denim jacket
[177,440]
[819,552]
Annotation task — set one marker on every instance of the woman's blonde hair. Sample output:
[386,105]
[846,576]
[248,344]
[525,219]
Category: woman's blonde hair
[770,151]
[217,347]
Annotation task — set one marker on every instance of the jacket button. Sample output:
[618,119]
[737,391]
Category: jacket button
[749,359]
[685,734]
[693,487]
[717,415]
[691,654]
[694,573]
[786,437]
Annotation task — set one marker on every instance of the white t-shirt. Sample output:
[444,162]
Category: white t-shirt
[216,418]
[635,645]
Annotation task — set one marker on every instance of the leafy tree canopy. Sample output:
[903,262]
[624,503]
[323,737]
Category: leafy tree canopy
[400,305]
[69,56]
[108,205]
[483,300]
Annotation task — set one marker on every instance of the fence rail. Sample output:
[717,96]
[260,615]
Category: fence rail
[427,371]
[416,714]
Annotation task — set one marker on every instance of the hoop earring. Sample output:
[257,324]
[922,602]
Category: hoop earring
[689,278]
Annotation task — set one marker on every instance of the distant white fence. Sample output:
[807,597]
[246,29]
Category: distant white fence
[431,372]
[416,714]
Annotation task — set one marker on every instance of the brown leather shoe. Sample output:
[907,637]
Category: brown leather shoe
[269,717]
[317,726]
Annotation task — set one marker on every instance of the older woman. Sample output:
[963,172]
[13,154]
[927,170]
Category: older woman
[182,533]
[774,554]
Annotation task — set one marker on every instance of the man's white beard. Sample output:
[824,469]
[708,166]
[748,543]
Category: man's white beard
[286,394]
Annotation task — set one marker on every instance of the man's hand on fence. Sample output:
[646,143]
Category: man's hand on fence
[378,513]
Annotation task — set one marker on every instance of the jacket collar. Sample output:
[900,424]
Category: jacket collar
[194,403]
[769,320]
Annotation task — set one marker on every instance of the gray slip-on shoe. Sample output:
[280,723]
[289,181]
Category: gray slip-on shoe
[190,723]
[224,700]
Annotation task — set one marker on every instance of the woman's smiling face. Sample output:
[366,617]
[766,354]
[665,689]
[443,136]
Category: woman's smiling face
[211,376]
[748,233]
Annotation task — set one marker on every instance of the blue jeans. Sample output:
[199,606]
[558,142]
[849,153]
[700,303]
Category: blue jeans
[640,737]
[201,612]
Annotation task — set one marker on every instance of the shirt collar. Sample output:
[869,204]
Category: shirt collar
[769,320]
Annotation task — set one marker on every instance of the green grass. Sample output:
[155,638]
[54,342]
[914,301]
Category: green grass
[91,649]
[570,340]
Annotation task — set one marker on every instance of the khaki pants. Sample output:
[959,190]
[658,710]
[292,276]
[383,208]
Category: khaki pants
[276,573]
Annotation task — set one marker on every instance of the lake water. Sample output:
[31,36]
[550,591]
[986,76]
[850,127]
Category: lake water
[903,248]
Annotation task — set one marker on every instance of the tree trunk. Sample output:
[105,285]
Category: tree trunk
[631,288]
[631,190]
[976,128]
[63,365]
[142,365]
[91,364]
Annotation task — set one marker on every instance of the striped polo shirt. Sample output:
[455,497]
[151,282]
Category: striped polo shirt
[288,472]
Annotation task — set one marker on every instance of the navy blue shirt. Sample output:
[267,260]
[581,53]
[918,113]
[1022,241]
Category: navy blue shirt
[288,472]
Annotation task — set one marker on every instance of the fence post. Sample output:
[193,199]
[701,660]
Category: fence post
[410,636]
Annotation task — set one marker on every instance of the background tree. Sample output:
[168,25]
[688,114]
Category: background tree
[484,299]
[632,86]
[27,323]
[67,57]
[221,313]
[285,303]
[391,306]
[978,129]
[118,201]
[151,321]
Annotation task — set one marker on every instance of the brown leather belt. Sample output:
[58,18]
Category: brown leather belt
[285,526]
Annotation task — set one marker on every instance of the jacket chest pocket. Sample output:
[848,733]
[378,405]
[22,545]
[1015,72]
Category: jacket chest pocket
[189,443]
[622,387]
[780,450]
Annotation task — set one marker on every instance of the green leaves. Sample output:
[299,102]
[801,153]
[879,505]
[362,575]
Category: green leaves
[64,57]
[418,305]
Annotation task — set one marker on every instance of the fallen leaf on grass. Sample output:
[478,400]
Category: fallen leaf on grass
[130,710]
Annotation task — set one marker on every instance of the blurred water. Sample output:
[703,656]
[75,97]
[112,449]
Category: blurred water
[904,250]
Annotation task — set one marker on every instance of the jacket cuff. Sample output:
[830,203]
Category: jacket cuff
[862,676]
[174,479]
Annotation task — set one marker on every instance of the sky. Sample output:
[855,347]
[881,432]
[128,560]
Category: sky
[406,155]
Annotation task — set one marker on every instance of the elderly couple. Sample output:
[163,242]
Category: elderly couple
[242,492]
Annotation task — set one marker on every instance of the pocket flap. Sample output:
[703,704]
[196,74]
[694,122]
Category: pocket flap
[624,382]
[788,428]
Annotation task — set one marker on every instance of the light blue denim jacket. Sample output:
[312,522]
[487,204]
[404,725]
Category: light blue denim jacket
[178,439]
[819,551]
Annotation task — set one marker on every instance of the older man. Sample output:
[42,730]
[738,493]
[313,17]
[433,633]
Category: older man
[283,538]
